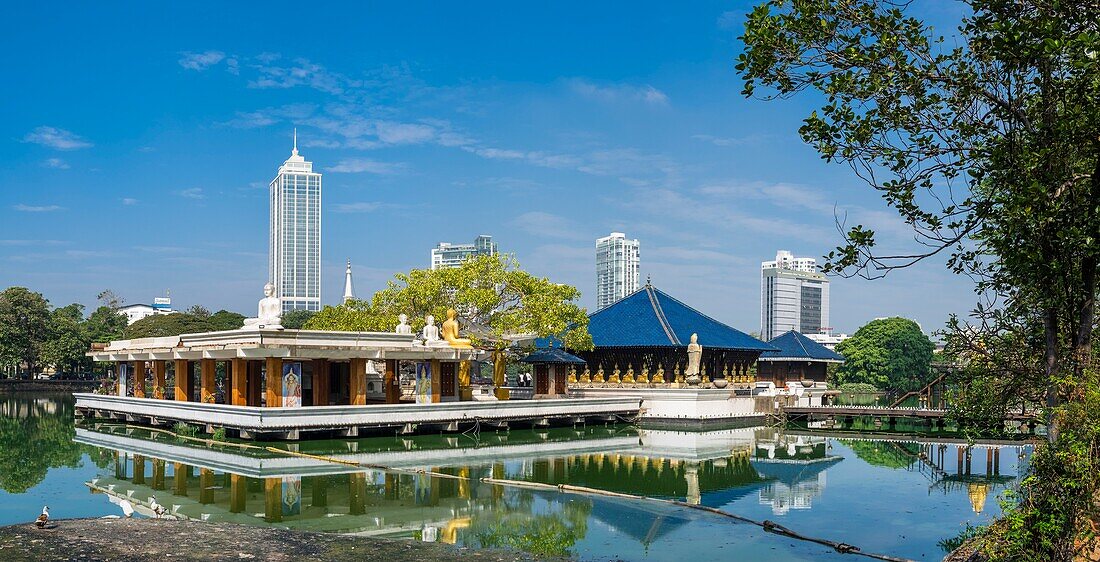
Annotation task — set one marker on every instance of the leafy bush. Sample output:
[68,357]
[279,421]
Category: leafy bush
[184,429]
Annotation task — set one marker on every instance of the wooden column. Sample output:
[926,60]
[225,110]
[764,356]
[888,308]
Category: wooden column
[357,382]
[182,471]
[206,485]
[159,367]
[273,494]
[158,474]
[139,379]
[273,382]
[255,384]
[437,381]
[319,495]
[320,382]
[228,397]
[206,380]
[391,382]
[183,380]
[357,493]
[238,493]
[239,375]
[139,469]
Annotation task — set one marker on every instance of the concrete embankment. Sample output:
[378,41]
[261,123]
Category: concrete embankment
[131,540]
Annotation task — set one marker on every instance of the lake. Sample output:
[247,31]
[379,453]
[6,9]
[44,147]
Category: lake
[900,498]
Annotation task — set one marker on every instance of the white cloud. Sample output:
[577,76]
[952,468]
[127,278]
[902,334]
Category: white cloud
[129,201]
[618,92]
[732,141]
[200,61]
[403,133]
[192,193]
[361,207]
[32,242]
[56,138]
[361,165]
[302,73]
[548,225]
[37,208]
[55,163]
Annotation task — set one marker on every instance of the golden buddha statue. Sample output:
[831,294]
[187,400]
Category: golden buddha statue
[450,332]
[629,378]
[572,375]
[586,376]
[659,376]
[614,375]
[645,374]
[599,375]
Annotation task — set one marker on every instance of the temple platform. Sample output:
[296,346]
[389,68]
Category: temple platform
[683,408]
[283,423]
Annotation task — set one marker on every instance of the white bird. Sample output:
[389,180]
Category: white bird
[156,507]
[127,508]
[44,518]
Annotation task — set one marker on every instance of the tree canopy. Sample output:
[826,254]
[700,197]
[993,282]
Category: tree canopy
[24,327]
[889,353]
[496,301]
[193,321]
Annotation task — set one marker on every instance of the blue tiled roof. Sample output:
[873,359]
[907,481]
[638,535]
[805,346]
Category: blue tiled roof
[793,345]
[552,355]
[651,318]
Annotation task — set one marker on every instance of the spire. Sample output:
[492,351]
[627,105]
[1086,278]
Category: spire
[294,152]
[349,294]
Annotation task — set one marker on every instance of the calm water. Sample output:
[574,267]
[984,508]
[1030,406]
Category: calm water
[880,496]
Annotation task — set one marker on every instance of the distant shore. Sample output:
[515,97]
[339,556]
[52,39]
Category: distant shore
[132,540]
[45,385]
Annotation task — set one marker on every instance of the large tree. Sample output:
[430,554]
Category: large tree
[68,341]
[24,328]
[892,354]
[196,320]
[497,302]
[987,143]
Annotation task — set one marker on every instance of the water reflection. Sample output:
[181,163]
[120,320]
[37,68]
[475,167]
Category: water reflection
[36,434]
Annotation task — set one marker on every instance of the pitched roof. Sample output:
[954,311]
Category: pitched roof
[650,318]
[552,355]
[793,346]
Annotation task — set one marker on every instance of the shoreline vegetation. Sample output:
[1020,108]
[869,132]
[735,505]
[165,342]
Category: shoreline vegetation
[126,540]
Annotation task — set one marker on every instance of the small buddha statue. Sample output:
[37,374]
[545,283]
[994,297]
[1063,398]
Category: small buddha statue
[599,375]
[659,376]
[450,332]
[695,355]
[629,378]
[269,313]
[614,375]
[572,375]
[403,326]
[586,376]
[430,334]
[645,375]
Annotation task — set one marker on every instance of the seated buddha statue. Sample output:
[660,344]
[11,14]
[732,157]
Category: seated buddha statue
[450,332]
[269,311]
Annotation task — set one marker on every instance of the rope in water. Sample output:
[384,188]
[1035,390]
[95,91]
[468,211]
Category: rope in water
[767,525]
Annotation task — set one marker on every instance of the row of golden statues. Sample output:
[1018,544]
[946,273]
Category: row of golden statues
[658,377]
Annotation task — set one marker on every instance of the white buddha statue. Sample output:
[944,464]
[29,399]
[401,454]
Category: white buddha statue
[695,356]
[269,311]
[403,326]
[430,334]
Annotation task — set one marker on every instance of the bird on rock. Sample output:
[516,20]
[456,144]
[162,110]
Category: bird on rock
[156,507]
[44,518]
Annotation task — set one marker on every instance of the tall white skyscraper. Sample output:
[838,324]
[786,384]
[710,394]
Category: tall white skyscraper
[616,268]
[452,255]
[295,237]
[794,295]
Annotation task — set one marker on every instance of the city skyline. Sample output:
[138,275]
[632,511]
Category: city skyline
[153,174]
[294,259]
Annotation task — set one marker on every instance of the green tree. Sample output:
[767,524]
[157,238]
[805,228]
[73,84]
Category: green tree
[105,324]
[24,328]
[162,325]
[225,320]
[296,319]
[890,353]
[987,144]
[68,340]
[494,297]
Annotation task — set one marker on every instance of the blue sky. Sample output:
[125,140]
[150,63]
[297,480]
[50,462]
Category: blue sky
[138,141]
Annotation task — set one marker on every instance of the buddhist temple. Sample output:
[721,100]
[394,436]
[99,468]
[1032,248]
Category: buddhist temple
[796,358]
[644,338]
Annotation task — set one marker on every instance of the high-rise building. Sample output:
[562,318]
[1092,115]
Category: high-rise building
[617,261]
[452,255]
[794,295]
[295,237]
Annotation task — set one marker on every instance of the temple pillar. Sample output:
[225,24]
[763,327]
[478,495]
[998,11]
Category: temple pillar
[181,472]
[357,383]
[357,493]
[500,375]
[158,474]
[273,383]
[391,382]
[997,462]
[159,378]
[320,383]
[691,476]
[206,485]
[255,383]
[988,461]
[227,398]
[238,493]
[240,389]
[319,496]
[183,380]
[273,498]
[437,381]
[121,368]
[207,391]
[139,469]
[139,379]
[465,393]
